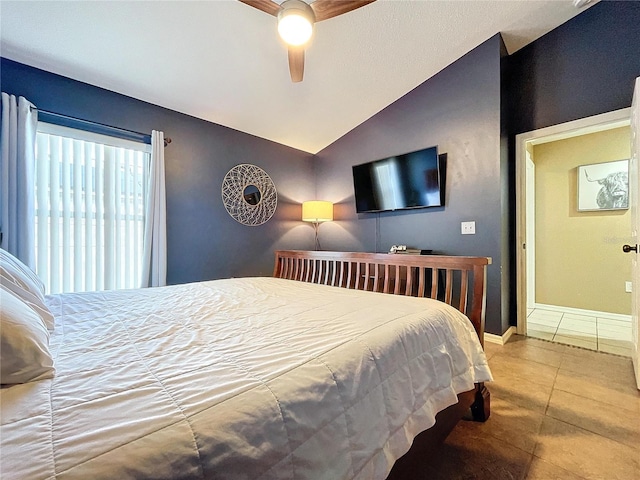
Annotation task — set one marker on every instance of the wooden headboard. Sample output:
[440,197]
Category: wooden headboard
[458,281]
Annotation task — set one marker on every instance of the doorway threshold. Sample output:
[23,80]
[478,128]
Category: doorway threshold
[598,331]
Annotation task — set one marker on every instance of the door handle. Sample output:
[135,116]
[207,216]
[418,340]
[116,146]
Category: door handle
[629,248]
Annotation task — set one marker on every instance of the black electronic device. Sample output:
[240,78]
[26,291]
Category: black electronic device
[410,180]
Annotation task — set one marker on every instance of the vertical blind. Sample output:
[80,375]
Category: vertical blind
[90,207]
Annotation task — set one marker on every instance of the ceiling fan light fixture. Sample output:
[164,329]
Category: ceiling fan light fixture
[295,22]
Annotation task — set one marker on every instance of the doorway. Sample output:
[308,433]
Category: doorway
[566,304]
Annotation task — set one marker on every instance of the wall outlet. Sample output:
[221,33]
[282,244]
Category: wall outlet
[468,228]
[627,287]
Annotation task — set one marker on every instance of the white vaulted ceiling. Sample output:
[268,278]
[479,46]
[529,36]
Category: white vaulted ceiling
[222,60]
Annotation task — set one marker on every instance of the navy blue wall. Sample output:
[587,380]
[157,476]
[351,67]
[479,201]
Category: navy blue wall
[582,68]
[204,242]
[458,110]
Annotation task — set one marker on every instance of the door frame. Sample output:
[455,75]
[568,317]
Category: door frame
[530,234]
[583,126]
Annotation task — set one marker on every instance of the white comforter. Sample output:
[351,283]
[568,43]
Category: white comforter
[255,378]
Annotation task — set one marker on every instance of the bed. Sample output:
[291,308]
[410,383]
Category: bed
[313,373]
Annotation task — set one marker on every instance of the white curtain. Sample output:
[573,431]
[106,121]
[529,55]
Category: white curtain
[154,256]
[17,195]
[90,209]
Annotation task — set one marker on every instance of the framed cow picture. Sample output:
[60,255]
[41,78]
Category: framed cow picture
[603,186]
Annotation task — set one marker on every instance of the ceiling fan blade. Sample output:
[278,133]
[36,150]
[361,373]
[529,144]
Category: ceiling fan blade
[296,63]
[267,6]
[324,9]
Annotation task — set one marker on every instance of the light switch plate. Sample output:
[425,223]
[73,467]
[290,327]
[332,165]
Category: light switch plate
[468,228]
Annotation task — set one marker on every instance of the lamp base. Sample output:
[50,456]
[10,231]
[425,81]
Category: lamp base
[316,225]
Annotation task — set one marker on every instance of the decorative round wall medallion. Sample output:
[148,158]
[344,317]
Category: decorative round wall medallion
[249,195]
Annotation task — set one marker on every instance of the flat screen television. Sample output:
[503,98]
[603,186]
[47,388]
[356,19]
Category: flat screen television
[411,180]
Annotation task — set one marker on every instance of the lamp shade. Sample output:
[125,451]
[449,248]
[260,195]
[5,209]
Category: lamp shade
[317,211]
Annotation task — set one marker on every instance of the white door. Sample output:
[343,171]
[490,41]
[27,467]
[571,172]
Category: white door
[632,249]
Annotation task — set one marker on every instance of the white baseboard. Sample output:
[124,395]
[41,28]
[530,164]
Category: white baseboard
[580,311]
[500,339]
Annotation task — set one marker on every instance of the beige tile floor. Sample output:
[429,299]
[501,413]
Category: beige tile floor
[557,412]
[610,334]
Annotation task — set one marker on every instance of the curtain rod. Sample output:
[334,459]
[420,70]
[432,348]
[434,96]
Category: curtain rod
[67,121]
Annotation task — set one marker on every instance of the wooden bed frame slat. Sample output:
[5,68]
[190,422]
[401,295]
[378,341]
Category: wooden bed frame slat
[434,283]
[408,289]
[449,287]
[422,272]
[464,280]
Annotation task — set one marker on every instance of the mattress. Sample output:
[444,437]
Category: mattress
[253,378]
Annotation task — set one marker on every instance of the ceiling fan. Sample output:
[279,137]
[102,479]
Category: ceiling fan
[295,23]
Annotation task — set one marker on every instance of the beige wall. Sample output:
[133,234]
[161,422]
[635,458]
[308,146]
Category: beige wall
[579,258]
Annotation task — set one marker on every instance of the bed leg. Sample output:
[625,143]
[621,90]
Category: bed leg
[480,408]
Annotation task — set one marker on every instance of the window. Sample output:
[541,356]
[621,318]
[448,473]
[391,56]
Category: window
[90,208]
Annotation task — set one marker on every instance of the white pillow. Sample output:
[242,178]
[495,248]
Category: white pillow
[6,257]
[20,279]
[24,342]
